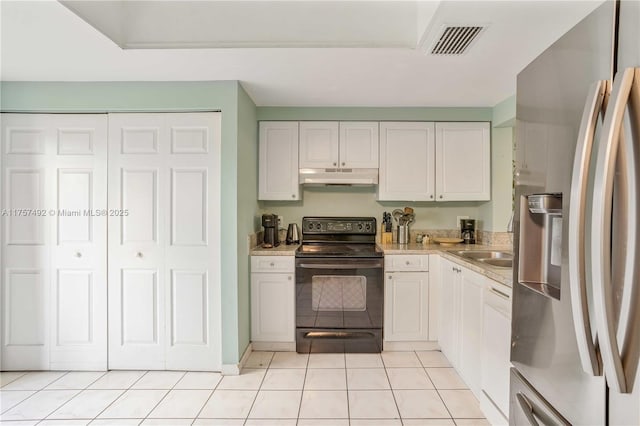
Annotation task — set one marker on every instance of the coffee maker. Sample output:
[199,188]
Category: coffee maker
[468,230]
[270,234]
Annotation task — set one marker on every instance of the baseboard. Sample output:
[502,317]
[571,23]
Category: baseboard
[410,346]
[274,346]
[234,369]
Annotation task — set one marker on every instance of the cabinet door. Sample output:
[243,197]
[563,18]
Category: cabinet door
[496,339]
[471,286]
[272,307]
[318,144]
[407,161]
[463,161]
[406,306]
[278,156]
[448,325]
[359,145]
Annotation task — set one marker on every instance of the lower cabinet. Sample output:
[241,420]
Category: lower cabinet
[273,302]
[475,334]
[406,301]
[496,338]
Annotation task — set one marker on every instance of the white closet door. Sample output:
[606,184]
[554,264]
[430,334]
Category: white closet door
[53,266]
[164,294]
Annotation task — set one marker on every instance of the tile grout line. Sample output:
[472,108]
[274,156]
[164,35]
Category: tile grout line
[70,399]
[37,391]
[207,401]
[304,380]
[259,387]
[119,396]
[162,399]
[346,381]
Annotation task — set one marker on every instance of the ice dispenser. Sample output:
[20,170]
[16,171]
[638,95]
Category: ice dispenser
[540,257]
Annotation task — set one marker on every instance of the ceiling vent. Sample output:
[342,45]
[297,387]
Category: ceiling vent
[455,40]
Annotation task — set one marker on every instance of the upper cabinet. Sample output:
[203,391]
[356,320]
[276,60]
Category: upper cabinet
[278,161]
[421,161]
[359,145]
[329,144]
[416,161]
[407,161]
[463,162]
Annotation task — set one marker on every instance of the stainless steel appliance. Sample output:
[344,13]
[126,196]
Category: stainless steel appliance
[270,233]
[339,286]
[468,230]
[293,234]
[576,305]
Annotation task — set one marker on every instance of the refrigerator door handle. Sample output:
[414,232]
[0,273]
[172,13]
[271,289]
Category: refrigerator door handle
[601,231]
[594,106]
[527,409]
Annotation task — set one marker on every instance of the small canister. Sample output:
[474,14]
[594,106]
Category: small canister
[403,234]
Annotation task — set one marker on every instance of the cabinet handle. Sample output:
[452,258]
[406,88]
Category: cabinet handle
[289,278]
[407,263]
[78,254]
[293,195]
[139,254]
[441,197]
[390,277]
[499,293]
[335,164]
[431,196]
[272,264]
[343,163]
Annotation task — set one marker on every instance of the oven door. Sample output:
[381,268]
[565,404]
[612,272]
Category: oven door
[339,304]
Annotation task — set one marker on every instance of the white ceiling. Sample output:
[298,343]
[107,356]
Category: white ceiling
[296,53]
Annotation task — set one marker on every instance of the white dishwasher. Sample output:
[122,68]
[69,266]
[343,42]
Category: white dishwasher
[496,342]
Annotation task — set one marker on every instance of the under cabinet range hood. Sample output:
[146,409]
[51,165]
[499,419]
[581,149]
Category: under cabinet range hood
[353,177]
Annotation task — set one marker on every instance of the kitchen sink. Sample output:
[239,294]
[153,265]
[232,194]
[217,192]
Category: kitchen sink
[501,263]
[484,254]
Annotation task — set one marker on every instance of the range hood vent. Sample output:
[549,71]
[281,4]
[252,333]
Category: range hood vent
[455,40]
[329,177]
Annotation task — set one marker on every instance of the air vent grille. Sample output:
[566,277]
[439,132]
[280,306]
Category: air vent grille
[454,40]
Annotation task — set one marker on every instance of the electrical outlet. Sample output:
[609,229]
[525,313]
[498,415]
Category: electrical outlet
[458,220]
[280,222]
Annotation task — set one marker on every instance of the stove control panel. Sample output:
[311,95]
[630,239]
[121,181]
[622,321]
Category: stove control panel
[338,225]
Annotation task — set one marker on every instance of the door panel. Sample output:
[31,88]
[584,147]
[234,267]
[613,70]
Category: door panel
[164,291]
[189,207]
[54,167]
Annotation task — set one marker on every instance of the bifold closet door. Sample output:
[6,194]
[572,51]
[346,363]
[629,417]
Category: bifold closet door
[54,199]
[164,290]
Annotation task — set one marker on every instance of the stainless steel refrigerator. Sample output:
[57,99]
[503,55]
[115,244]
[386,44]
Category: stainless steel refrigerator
[576,307]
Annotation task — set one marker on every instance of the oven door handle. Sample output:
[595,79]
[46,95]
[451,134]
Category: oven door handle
[359,265]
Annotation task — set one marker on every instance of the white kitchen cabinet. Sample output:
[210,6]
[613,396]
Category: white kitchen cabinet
[407,161]
[272,300]
[329,144]
[278,161]
[449,318]
[463,161]
[406,307]
[496,345]
[359,145]
[471,289]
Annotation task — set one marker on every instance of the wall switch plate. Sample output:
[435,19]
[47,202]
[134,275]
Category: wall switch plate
[458,220]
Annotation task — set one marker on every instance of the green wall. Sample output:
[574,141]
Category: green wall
[247,208]
[361,201]
[238,139]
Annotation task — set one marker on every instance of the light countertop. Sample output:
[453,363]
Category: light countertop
[501,275]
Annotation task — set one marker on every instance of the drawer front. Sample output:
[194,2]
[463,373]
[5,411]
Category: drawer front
[273,263]
[415,262]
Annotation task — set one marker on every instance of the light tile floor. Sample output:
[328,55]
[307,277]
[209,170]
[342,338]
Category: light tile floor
[281,388]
